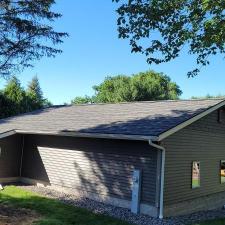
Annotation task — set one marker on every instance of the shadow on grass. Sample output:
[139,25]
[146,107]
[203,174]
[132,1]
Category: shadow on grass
[53,212]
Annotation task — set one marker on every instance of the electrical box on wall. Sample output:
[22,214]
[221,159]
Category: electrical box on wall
[136,191]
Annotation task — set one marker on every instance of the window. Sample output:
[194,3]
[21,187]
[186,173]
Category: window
[195,174]
[221,116]
[222,171]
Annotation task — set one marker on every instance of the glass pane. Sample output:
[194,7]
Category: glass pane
[195,174]
[222,171]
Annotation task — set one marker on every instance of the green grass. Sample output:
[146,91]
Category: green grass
[53,212]
[213,222]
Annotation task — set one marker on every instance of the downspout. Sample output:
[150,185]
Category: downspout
[162,177]
[21,159]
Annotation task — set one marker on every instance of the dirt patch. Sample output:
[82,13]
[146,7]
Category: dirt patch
[17,216]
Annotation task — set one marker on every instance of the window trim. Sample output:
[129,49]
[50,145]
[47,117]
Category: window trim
[222,182]
[199,185]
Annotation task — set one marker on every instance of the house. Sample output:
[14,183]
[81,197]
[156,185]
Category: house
[163,158]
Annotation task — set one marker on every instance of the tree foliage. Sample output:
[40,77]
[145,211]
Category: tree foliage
[82,100]
[208,96]
[160,29]
[26,33]
[139,87]
[34,94]
[16,96]
[14,99]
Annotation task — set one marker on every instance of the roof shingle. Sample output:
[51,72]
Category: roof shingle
[139,118]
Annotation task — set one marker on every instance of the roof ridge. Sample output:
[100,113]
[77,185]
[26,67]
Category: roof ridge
[141,102]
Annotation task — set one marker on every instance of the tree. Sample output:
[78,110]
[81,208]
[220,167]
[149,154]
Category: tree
[160,29]
[114,89]
[208,96]
[15,100]
[139,87]
[34,95]
[6,106]
[15,96]
[26,34]
[82,100]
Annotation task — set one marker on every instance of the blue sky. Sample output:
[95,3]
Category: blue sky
[94,51]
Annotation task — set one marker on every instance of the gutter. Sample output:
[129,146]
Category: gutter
[162,176]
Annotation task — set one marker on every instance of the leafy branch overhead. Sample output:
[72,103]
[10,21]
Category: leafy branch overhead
[26,33]
[160,29]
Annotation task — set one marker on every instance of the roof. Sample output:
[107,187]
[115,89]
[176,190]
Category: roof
[139,119]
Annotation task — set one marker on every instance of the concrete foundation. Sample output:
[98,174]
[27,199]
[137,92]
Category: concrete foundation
[210,202]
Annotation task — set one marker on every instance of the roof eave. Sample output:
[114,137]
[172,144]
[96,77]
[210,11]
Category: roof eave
[91,135]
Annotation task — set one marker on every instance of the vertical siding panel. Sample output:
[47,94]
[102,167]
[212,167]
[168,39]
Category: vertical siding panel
[202,141]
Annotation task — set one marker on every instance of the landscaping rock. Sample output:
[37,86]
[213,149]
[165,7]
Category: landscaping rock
[124,214]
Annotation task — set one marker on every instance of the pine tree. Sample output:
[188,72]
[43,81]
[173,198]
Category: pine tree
[35,95]
[15,97]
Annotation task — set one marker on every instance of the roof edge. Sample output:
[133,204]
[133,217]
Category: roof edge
[90,135]
[7,133]
[190,121]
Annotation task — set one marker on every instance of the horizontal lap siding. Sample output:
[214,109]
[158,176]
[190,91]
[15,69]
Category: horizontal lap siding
[97,166]
[10,156]
[202,141]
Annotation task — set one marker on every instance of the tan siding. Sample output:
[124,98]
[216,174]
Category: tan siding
[202,141]
[10,156]
[97,166]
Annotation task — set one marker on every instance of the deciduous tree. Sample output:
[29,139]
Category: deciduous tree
[139,87]
[160,29]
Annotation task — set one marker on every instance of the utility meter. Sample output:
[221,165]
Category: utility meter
[136,190]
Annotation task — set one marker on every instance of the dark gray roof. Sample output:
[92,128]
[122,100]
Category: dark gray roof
[139,118]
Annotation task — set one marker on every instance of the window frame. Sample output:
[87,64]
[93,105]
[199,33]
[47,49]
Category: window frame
[193,186]
[222,182]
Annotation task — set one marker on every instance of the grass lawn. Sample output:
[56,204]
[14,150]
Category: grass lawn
[52,212]
[213,222]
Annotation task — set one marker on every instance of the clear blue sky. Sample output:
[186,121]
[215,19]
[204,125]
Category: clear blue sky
[94,51]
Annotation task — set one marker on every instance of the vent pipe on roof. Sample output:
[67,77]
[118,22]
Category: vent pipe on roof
[162,175]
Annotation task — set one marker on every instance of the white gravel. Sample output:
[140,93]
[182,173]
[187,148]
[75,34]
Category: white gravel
[124,214]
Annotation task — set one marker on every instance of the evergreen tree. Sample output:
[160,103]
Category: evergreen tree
[27,34]
[15,96]
[35,95]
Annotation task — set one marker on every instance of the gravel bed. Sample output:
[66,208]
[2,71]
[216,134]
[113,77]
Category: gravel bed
[124,214]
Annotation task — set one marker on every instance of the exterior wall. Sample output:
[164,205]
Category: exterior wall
[202,141]
[10,157]
[94,166]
